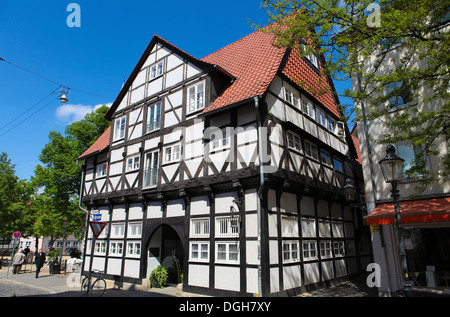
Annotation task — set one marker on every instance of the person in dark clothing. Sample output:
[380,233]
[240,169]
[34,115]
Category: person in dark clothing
[40,260]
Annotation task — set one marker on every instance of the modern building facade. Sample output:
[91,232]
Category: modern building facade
[425,216]
[225,170]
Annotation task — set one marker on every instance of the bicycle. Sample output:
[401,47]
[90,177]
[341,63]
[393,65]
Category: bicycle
[96,288]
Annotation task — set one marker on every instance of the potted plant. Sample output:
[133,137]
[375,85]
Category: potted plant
[53,262]
[158,277]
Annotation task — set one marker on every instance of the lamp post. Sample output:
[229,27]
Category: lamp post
[392,168]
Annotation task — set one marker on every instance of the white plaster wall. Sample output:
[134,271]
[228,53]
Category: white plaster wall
[200,205]
[175,208]
[114,266]
[132,268]
[227,278]
[291,276]
[198,275]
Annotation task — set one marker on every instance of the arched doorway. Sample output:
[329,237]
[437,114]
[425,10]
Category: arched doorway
[166,249]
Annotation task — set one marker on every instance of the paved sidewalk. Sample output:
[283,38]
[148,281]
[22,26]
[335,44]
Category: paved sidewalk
[25,284]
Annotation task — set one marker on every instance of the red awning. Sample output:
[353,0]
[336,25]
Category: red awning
[415,211]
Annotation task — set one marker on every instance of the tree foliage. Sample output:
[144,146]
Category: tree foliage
[406,44]
[59,177]
[16,212]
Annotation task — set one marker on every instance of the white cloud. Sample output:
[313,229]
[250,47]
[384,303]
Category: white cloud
[71,113]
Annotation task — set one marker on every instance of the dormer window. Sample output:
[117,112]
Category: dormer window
[311,57]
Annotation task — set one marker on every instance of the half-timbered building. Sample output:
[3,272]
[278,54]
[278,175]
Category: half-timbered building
[226,170]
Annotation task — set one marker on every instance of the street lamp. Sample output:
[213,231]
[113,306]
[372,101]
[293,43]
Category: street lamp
[392,168]
[349,190]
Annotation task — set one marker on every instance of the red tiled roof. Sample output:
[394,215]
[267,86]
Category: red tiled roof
[101,144]
[255,60]
[297,69]
[422,210]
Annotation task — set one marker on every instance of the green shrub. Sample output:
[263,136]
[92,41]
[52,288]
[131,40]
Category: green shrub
[158,277]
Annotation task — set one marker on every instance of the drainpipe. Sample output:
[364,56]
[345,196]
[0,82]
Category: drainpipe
[261,186]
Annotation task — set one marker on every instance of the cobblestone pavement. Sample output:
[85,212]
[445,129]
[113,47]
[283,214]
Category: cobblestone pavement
[357,288]
[8,289]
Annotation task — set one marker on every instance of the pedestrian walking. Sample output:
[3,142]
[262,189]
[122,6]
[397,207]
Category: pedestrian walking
[40,260]
[18,261]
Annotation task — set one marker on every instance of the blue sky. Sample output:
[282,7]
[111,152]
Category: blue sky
[93,59]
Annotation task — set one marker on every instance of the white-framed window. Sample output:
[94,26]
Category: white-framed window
[337,164]
[220,139]
[156,70]
[133,249]
[311,57]
[225,228]
[133,163]
[338,248]
[134,229]
[308,108]
[172,153]
[199,228]
[117,229]
[151,169]
[309,250]
[154,117]
[102,169]
[321,117]
[119,128]
[100,247]
[294,141]
[291,96]
[289,226]
[325,249]
[325,158]
[199,251]
[227,252]
[196,97]
[290,251]
[115,248]
[59,244]
[311,150]
[331,125]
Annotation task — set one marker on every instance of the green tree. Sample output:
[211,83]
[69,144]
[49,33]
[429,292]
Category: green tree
[15,200]
[347,34]
[60,177]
